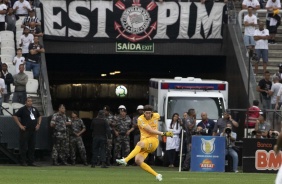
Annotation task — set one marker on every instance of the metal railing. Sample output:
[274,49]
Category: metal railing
[231,11]
[274,117]
[44,86]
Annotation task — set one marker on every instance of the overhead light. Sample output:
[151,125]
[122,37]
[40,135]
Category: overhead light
[76,84]
[112,73]
[117,72]
[103,75]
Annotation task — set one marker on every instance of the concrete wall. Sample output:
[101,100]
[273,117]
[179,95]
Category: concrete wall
[10,133]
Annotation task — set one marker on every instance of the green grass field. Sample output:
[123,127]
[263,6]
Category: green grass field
[121,175]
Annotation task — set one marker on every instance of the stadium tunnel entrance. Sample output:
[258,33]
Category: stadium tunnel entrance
[75,78]
[82,72]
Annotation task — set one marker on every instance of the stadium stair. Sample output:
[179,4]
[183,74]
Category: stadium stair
[7,156]
[275,56]
[41,97]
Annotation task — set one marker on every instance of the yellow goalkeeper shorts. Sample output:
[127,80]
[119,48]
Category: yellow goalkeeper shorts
[151,145]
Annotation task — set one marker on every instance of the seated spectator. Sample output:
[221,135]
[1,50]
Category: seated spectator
[258,134]
[262,125]
[30,18]
[21,7]
[252,115]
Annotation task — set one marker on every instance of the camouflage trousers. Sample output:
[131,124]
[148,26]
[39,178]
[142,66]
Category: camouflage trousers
[122,147]
[67,147]
[76,144]
[59,149]
[109,149]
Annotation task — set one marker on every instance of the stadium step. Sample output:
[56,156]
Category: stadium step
[6,154]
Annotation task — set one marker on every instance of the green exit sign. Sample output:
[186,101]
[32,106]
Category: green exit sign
[135,47]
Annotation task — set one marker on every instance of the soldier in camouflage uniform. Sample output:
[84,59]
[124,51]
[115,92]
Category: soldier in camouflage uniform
[76,142]
[68,132]
[59,123]
[123,127]
[110,119]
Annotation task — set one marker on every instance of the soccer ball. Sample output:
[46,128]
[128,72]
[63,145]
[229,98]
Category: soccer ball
[121,91]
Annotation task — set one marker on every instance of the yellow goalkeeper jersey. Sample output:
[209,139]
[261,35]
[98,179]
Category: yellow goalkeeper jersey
[153,123]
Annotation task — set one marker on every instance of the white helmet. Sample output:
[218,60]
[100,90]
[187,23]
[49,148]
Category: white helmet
[121,107]
[140,107]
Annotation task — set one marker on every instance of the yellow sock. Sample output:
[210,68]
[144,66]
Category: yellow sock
[133,153]
[147,168]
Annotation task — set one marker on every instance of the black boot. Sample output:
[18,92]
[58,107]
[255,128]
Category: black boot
[72,162]
[64,163]
[104,165]
[108,163]
[85,163]
[55,163]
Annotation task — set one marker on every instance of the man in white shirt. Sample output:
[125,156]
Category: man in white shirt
[26,39]
[274,92]
[273,18]
[21,7]
[253,3]
[278,99]
[250,22]
[261,36]
[3,11]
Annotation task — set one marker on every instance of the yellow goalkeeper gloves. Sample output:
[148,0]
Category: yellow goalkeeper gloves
[168,134]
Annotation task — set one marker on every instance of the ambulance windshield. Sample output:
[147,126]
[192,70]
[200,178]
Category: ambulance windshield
[213,106]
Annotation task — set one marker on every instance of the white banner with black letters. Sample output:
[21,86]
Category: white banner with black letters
[133,21]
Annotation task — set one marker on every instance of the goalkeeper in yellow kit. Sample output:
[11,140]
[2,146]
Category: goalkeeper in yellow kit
[148,126]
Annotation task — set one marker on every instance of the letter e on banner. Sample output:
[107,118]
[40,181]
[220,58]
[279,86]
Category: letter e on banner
[50,18]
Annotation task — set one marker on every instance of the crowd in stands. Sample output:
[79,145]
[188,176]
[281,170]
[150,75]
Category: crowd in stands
[266,121]
[256,36]
[115,130]
[27,46]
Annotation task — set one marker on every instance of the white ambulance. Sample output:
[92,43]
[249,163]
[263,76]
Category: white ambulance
[177,95]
